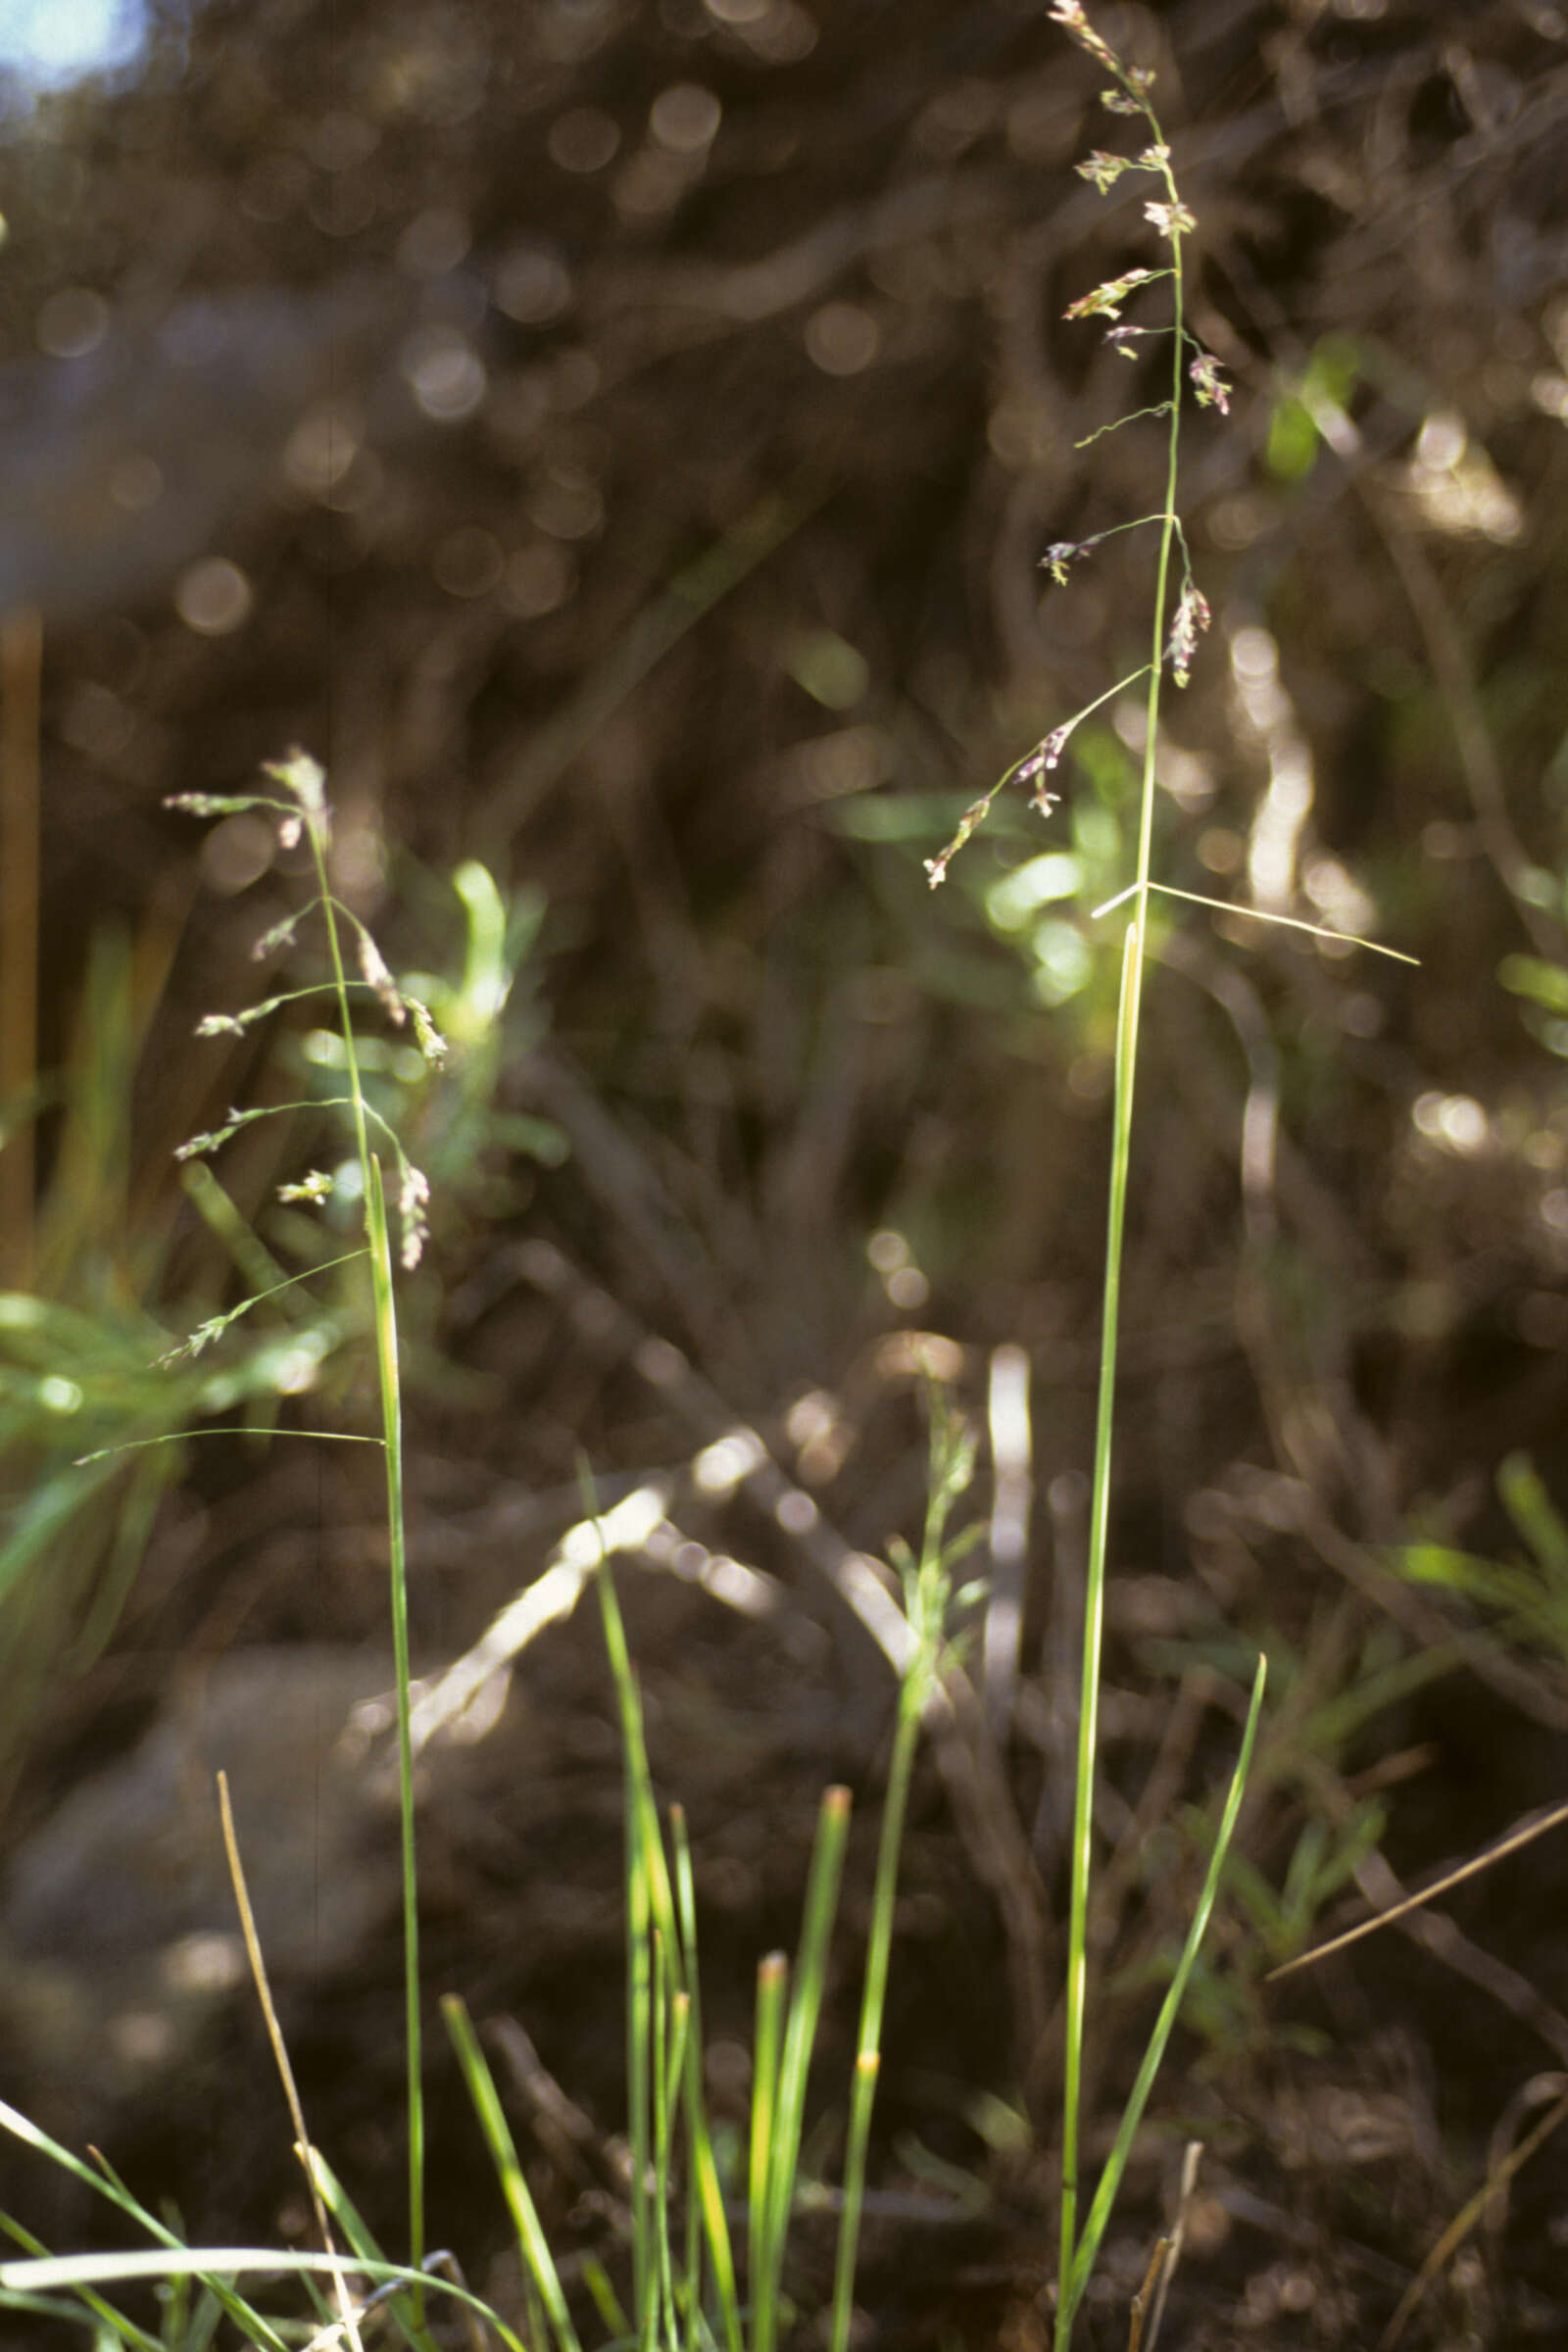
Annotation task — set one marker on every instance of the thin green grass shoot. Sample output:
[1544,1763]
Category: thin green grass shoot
[304,814]
[1174,638]
[532,2243]
[927,1598]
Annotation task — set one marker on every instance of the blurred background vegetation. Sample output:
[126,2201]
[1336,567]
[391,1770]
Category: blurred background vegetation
[619,438]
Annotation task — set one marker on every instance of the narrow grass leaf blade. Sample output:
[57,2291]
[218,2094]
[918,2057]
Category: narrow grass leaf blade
[356,2234]
[214,2266]
[531,2239]
[771,1979]
[596,2279]
[664,2322]
[174,2256]
[1132,2114]
[700,2140]
[124,2330]
[804,2011]
[386,1356]
[342,2208]
[1524,1497]
[643,1863]
[1095,1586]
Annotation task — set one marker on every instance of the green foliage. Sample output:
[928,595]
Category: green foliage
[684,2270]
[1527,1599]
[484,1006]
[829,670]
[1541,987]
[89,1371]
[1311,409]
[1015,931]
[1225,2004]
[86,1377]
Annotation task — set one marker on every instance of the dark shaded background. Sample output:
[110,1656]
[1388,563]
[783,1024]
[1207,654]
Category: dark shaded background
[631,433]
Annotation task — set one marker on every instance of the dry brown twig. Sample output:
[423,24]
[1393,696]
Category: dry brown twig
[1523,1834]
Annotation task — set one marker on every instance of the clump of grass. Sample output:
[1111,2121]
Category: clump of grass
[690,2284]
[79,1369]
[89,1373]
[298,808]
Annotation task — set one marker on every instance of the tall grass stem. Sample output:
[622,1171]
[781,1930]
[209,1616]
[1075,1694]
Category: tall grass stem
[1134,950]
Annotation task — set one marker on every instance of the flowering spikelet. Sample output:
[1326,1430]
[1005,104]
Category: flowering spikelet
[304,777]
[314,1188]
[432,1045]
[1208,385]
[1171,219]
[1102,168]
[373,964]
[1191,619]
[413,1199]
[1070,16]
[1046,756]
[278,936]
[1107,300]
[1058,555]
[974,815]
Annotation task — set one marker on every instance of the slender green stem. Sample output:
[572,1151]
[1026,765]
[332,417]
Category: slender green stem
[1071,2291]
[1132,977]
[316,833]
[641,1993]
[772,1976]
[805,2009]
[538,2262]
[386,1354]
[928,1587]
[386,1349]
[708,2193]
[649,1919]
[868,2055]
[661,2088]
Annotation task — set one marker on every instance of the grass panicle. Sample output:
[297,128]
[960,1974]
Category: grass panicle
[301,813]
[1174,635]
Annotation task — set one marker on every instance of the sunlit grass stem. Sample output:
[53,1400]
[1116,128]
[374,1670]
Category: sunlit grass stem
[533,2246]
[1133,952]
[390,1390]
[386,1350]
[802,2017]
[927,1586]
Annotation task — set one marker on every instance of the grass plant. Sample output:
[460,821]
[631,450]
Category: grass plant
[690,2283]
[298,808]
[80,1373]
[1174,636]
[687,2286]
[96,1399]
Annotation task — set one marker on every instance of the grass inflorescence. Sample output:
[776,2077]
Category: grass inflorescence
[1174,634]
[707,2226]
[691,2281]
